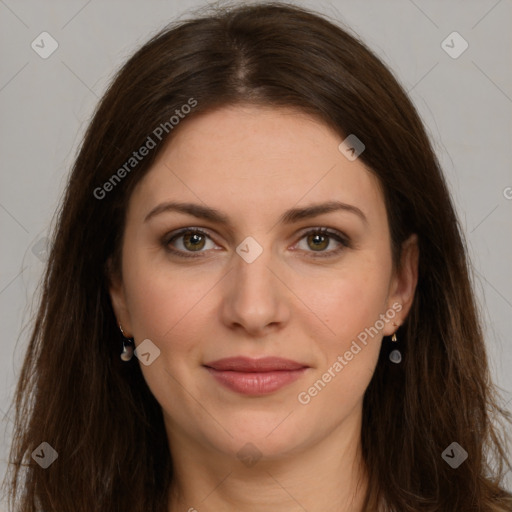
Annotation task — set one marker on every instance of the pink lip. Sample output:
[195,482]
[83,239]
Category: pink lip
[255,376]
[247,364]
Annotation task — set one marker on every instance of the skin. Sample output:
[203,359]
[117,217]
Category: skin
[253,163]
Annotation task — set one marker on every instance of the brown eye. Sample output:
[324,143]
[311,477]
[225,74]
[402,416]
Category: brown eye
[193,241]
[187,241]
[318,241]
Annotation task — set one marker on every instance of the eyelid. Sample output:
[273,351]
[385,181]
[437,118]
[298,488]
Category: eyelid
[339,236]
[169,237]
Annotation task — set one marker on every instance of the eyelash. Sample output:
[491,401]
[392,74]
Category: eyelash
[339,237]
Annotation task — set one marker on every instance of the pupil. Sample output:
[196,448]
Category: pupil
[194,239]
[318,240]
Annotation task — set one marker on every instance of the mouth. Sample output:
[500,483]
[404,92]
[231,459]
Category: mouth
[255,376]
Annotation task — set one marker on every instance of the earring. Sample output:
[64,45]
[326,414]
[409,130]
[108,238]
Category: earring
[395,355]
[127,352]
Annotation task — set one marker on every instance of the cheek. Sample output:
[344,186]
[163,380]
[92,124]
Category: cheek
[162,299]
[347,300]
[349,346]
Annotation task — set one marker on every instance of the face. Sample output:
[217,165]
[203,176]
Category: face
[263,277]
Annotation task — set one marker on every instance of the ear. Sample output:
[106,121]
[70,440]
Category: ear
[403,283]
[118,298]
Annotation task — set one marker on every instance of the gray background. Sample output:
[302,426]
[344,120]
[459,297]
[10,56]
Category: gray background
[465,102]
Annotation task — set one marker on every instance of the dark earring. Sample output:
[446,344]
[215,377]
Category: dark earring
[395,355]
[127,352]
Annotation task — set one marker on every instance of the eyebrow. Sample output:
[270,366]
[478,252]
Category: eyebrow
[288,217]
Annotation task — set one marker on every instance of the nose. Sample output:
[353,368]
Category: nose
[255,297]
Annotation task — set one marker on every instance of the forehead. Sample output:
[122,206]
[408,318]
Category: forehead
[252,161]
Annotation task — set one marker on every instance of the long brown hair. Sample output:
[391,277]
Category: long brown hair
[97,412]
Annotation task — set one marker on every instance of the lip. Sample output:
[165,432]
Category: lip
[255,376]
[247,364]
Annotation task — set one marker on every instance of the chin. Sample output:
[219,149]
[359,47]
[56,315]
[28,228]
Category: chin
[262,439]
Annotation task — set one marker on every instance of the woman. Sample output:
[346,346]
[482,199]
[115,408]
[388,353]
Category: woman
[257,211]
